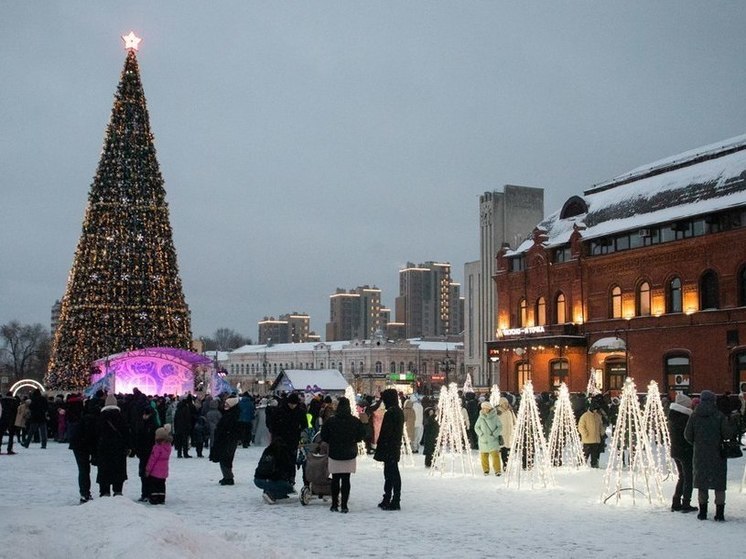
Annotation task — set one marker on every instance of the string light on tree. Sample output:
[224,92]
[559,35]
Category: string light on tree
[452,445]
[529,460]
[631,468]
[592,389]
[468,387]
[111,303]
[656,427]
[351,396]
[565,447]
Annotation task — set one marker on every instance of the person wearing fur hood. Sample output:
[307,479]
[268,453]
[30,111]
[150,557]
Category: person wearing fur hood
[488,431]
[507,419]
[112,448]
[681,452]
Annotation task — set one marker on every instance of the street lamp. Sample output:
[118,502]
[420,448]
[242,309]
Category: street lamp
[493,359]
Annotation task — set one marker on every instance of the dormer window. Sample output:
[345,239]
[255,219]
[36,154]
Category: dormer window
[574,206]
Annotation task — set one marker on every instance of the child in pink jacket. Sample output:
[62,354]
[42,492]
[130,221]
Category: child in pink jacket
[156,470]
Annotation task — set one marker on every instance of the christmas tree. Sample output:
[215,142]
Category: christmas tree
[656,426]
[452,444]
[123,291]
[631,467]
[565,447]
[529,453]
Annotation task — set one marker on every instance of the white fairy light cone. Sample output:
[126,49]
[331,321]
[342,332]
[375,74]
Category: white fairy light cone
[565,448]
[656,427]
[495,396]
[592,388]
[631,467]
[452,445]
[468,387]
[529,460]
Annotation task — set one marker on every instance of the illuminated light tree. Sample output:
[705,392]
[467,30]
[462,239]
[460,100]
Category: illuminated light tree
[592,389]
[123,291]
[468,387]
[495,396]
[529,454]
[565,448]
[656,427]
[452,445]
[631,467]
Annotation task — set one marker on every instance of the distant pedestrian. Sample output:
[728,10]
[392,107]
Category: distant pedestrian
[8,420]
[488,431]
[681,452]
[38,417]
[591,428]
[112,448]
[156,470]
[223,448]
[429,435]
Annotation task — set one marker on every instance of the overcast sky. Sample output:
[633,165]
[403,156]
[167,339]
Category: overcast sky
[307,146]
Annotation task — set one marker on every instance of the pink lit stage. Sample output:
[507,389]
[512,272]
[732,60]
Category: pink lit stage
[153,370]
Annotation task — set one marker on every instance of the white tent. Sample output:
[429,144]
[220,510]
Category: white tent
[310,380]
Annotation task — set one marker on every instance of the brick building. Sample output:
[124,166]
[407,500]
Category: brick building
[641,276]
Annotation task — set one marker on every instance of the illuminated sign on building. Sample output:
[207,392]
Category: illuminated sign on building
[520,331]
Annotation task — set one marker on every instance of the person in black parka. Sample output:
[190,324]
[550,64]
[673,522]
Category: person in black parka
[388,450]
[706,427]
[681,452]
[287,422]
[112,448]
[223,448]
[82,438]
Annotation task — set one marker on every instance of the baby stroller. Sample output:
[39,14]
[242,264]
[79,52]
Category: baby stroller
[316,481]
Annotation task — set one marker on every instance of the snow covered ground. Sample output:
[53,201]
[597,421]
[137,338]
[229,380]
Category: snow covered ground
[449,516]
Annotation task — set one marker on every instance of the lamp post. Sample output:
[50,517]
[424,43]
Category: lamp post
[493,359]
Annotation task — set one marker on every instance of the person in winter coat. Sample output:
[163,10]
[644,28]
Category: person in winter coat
[418,423]
[706,428]
[156,470]
[681,452]
[409,421]
[112,448]
[287,422]
[429,435]
[591,428]
[144,439]
[22,417]
[8,420]
[213,416]
[488,431]
[471,405]
[271,474]
[200,433]
[183,425]
[246,418]
[82,438]
[39,409]
[506,415]
[223,448]
[342,432]
[388,450]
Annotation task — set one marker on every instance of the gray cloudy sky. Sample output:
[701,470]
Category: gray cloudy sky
[313,145]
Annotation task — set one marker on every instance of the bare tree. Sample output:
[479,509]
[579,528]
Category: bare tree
[24,349]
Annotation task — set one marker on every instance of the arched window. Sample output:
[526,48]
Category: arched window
[615,305]
[242,365]
[522,313]
[401,367]
[541,311]
[643,299]
[560,309]
[709,291]
[410,366]
[673,295]
[423,367]
[379,367]
[678,372]
[522,374]
[742,287]
[392,367]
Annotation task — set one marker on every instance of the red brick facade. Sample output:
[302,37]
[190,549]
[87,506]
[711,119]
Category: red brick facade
[669,337]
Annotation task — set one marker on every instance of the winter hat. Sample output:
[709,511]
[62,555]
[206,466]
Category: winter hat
[111,400]
[486,406]
[163,433]
[294,399]
[230,402]
[707,396]
[683,400]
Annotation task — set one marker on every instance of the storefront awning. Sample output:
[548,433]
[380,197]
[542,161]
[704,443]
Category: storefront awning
[606,345]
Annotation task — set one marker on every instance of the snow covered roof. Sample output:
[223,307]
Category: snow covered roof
[339,345]
[696,182]
[311,380]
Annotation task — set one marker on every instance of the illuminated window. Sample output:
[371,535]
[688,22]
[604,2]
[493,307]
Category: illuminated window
[522,313]
[558,371]
[523,373]
[643,299]
[678,372]
[560,309]
[616,373]
[615,308]
[541,312]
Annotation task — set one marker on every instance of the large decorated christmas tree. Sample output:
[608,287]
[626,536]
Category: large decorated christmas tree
[123,291]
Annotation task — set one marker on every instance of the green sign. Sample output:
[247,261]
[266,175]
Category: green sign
[402,377]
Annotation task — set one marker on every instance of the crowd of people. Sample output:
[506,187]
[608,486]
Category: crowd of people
[103,431]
